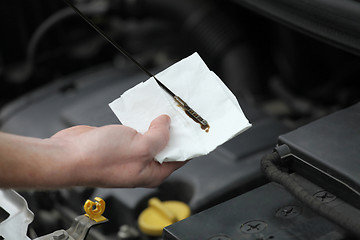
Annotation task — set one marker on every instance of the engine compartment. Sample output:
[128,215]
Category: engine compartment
[56,72]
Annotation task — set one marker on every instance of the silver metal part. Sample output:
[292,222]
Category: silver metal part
[127,232]
[78,230]
[16,225]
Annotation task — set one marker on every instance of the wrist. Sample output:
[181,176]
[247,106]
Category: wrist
[61,163]
[33,162]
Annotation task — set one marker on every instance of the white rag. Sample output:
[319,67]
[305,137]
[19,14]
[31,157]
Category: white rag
[202,90]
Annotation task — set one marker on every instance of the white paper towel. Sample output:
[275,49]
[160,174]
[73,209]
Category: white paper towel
[202,90]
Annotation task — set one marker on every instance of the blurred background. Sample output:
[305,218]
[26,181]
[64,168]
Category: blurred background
[56,72]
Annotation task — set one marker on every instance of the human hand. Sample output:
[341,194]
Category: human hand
[116,155]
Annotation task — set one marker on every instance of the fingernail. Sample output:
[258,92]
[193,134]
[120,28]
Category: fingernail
[168,119]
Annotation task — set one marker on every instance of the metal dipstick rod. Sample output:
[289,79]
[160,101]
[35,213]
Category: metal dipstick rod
[188,110]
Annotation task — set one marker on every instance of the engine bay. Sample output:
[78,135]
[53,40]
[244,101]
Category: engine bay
[57,72]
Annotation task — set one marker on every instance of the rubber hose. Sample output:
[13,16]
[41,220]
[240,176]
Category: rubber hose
[211,31]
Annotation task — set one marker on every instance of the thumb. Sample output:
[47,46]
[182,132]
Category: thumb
[158,134]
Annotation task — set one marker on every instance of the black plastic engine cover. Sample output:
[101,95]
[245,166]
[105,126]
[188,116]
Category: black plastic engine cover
[268,212]
[327,152]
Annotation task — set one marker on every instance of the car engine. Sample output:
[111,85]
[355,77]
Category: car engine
[57,72]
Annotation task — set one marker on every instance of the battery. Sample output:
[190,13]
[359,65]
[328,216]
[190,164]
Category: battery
[267,212]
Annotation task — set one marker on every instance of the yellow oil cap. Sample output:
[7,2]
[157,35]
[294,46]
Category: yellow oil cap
[160,214]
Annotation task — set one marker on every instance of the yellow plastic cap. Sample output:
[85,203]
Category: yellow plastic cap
[94,210]
[161,214]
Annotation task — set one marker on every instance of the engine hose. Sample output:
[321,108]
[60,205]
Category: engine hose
[269,167]
[40,32]
[211,30]
[219,41]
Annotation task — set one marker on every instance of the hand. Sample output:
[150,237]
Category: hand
[115,155]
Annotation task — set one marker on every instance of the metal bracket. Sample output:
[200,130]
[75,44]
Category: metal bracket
[78,230]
